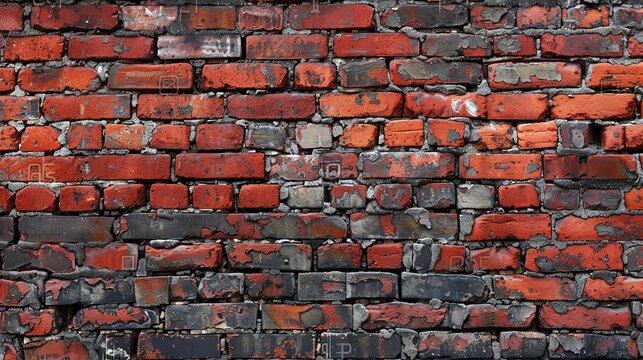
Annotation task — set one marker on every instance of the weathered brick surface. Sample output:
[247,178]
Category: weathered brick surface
[244,179]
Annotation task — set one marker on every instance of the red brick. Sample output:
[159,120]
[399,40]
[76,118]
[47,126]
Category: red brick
[73,78]
[35,198]
[79,198]
[219,137]
[606,76]
[31,322]
[19,108]
[114,318]
[85,168]
[261,18]
[584,318]
[384,256]
[149,17]
[171,137]
[124,197]
[613,227]
[179,107]
[84,136]
[404,133]
[169,196]
[365,104]
[393,196]
[515,45]
[533,75]
[510,226]
[184,257]
[578,45]
[259,196]
[331,16]
[634,198]
[361,136]
[34,48]
[494,137]
[220,166]
[272,106]
[635,46]
[375,44]
[75,17]
[9,138]
[499,316]
[559,198]
[634,137]
[7,78]
[363,74]
[538,136]
[120,136]
[107,47]
[208,17]
[495,258]
[403,315]
[444,106]
[310,167]
[445,133]
[601,199]
[538,17]
[40,138]
[286,47]
[594,106]
[7,198]
[620,288]
[585,17]
[613,137]
[519,196]
[516,107]
[500,166]
[112,256]
[402,165]
[315,76]
[628,17]
[521,287]
[84,107]
[152,291]
[550,259]
[207,196]
[490,17]
[595,167]
[11,18]
[244,76]
[451,258]
[16,293]
[169,77]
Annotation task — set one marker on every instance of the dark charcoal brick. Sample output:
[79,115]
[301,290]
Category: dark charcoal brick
[404,225]
[294,257]
[269,286]
[426,16]
[221,286]
[360,346]
[522,344]
[265,346]
[322,286]
[371,285]
[211,316]
[458,288]
[178,346]
[7,229]
[591,346]
[65,228]
[442,344]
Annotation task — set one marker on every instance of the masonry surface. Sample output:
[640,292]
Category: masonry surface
[349,180]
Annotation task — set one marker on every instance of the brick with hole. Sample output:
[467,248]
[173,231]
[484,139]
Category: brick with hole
[529,107]
[84,136]
[108,47]
[36,48]
[244,76]
[259,196]
[394,196]
[79,198]
[205,256]
[212,196]
[261,18]
[309,76]
[179,107]
[113,256]
[445,133]
[613,137]
[40,139]
[124,196]
[169,196]
[294,257]
[407,133]
[384,256]
[128,137]
[171,137]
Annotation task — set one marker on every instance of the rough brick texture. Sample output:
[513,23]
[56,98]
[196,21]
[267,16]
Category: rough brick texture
[314,179]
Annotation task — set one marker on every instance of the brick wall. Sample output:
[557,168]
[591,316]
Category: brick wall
[382,179]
